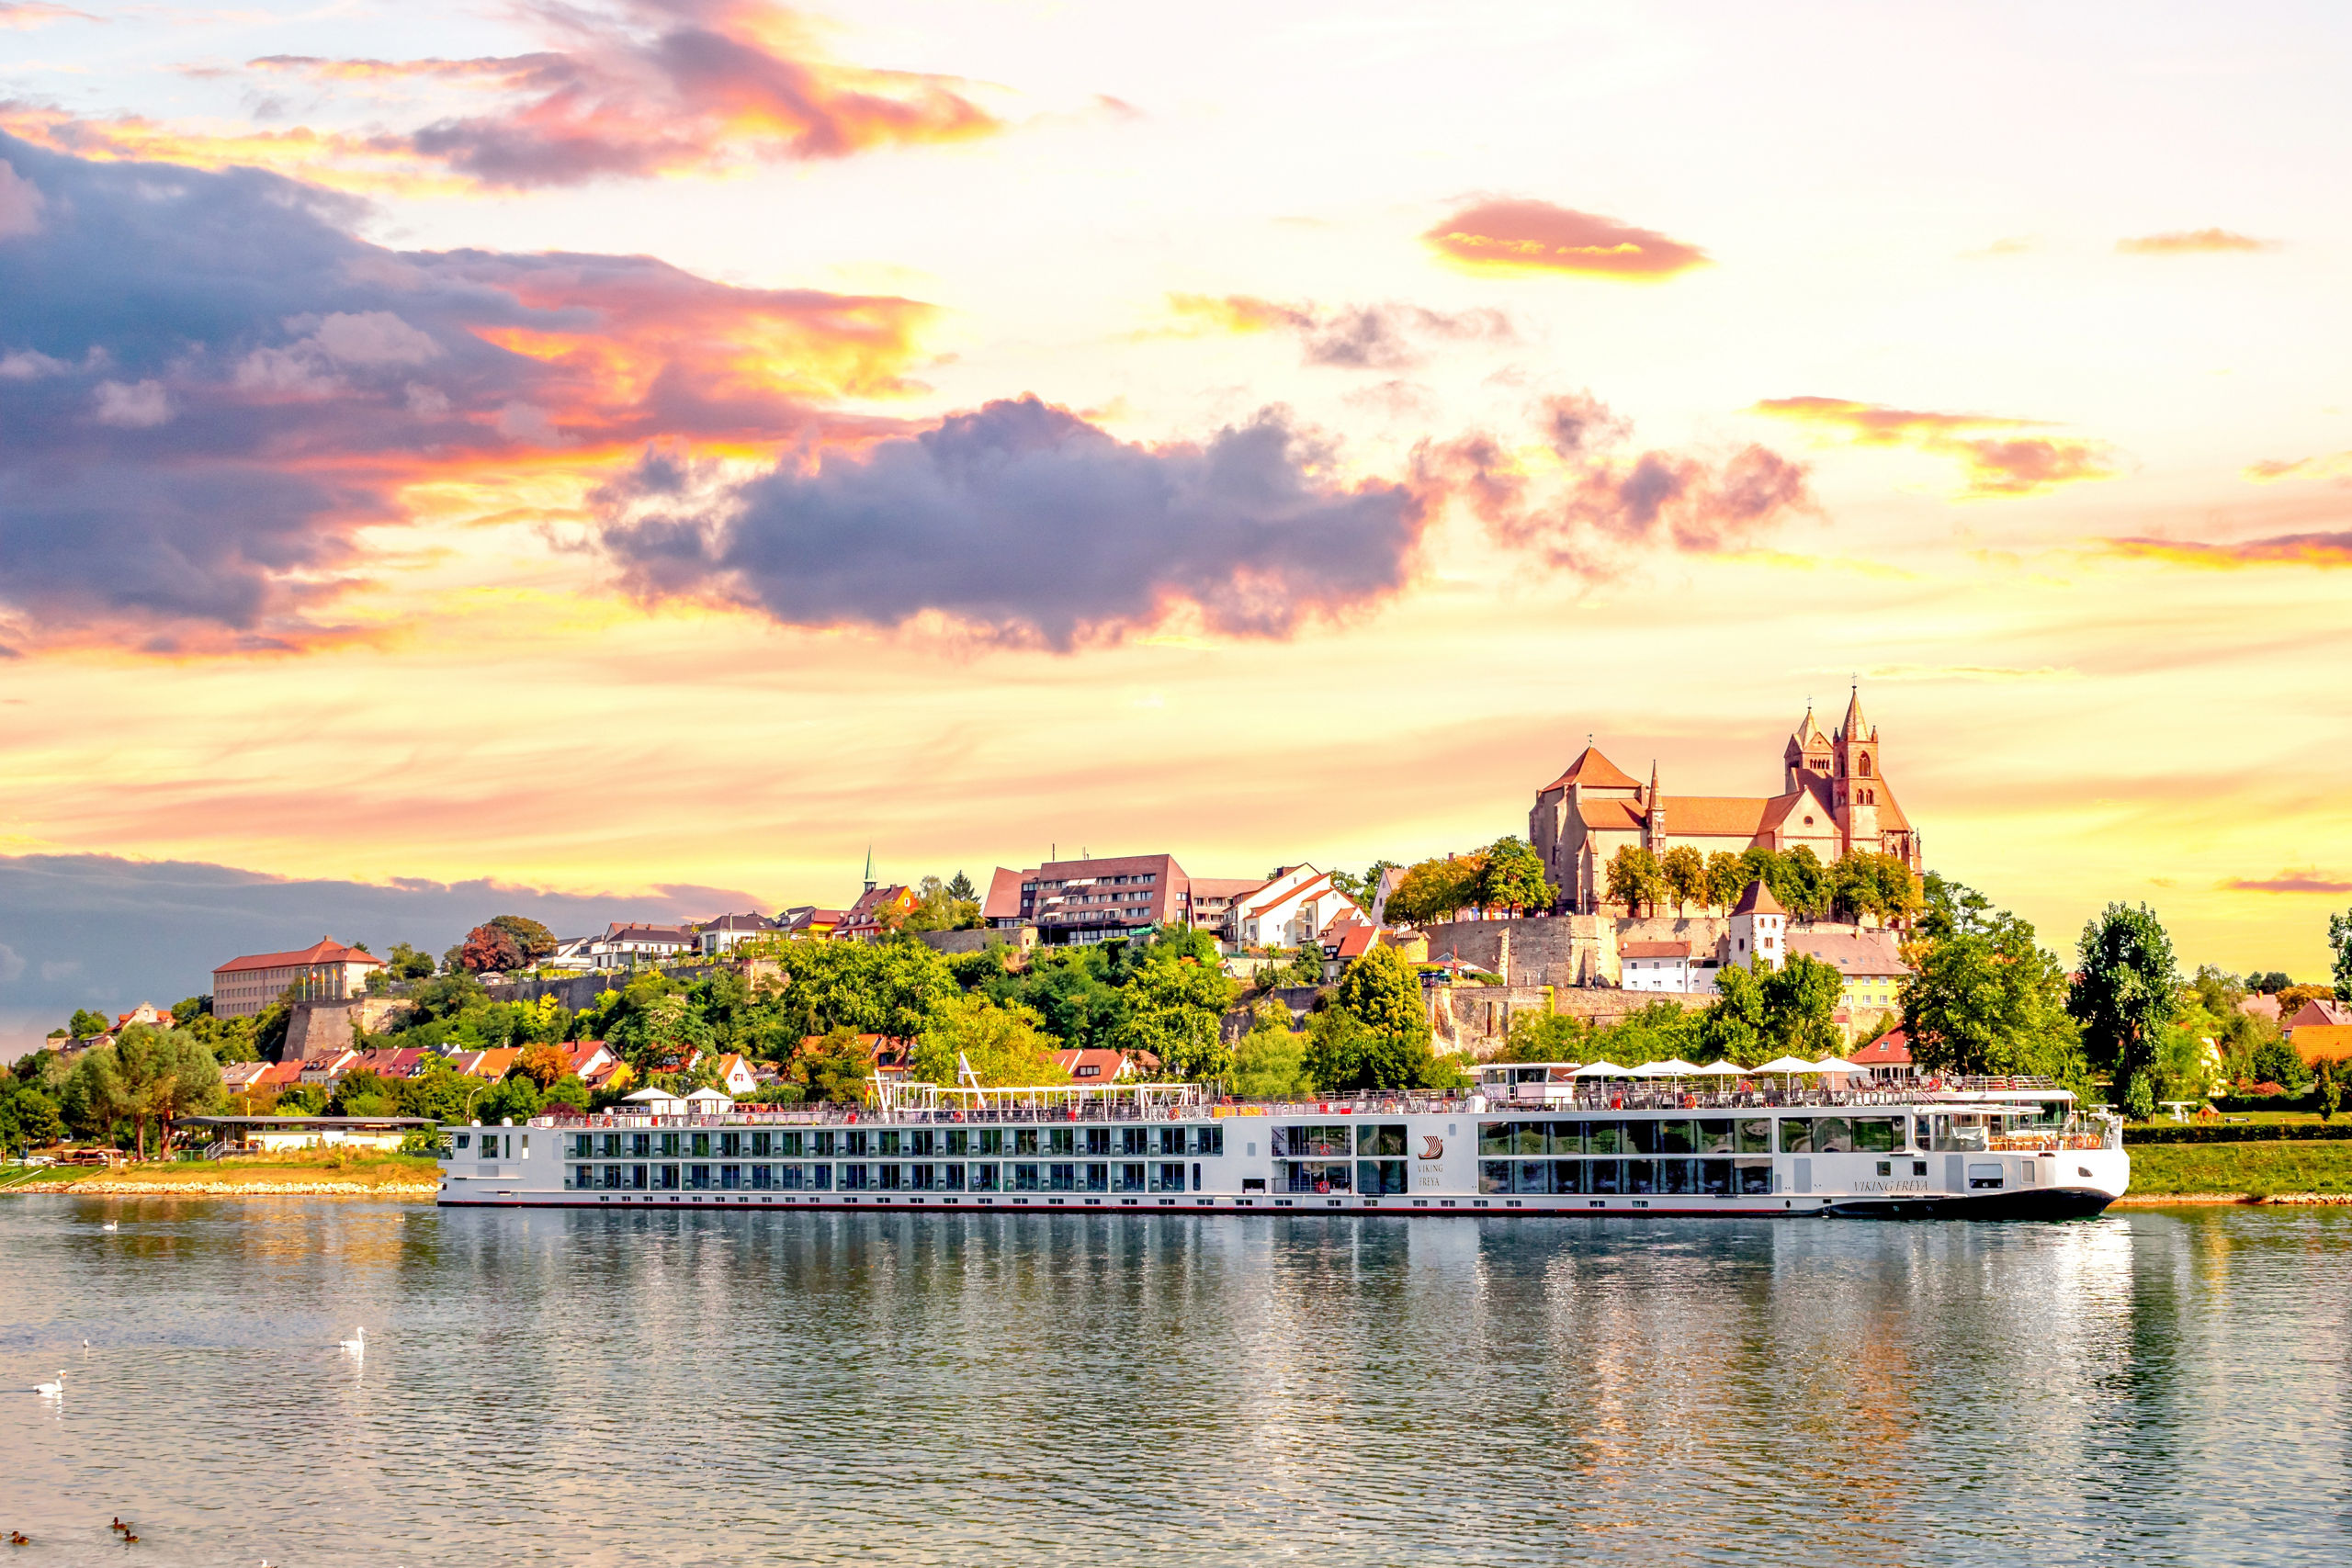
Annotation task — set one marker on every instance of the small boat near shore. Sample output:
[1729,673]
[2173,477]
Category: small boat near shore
[1530,1139]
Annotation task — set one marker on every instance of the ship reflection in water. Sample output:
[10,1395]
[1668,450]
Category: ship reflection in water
[698,1385]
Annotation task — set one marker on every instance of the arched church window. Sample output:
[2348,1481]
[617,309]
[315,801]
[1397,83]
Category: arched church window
[1866,765]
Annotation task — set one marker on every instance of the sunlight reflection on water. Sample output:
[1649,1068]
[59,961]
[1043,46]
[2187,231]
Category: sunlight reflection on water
[688,1388]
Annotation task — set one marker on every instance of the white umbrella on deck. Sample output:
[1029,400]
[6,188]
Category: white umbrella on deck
[1724,1070]
[1602,1070]
[1789,1065]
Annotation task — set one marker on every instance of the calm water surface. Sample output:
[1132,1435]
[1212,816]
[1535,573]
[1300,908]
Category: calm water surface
[687,1388]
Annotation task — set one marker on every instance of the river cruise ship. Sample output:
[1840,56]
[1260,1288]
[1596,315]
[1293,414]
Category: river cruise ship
[1529,1139]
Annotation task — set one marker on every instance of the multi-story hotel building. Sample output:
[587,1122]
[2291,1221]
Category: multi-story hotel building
[325,971]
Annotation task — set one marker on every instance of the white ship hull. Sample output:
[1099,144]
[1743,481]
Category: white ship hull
[1862,1157]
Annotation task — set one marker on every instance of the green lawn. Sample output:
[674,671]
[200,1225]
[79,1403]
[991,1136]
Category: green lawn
[2261,1169]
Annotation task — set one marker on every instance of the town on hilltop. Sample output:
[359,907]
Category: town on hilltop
[1630,925]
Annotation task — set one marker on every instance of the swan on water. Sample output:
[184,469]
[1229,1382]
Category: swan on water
[110,1226]
[51,1390]
[357,1345]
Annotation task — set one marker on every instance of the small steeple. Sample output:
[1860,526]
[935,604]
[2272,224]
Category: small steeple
[1653,784]
[1855,727]
[869,868]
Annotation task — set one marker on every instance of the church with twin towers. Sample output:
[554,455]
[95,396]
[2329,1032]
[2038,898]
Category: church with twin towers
[1834,800]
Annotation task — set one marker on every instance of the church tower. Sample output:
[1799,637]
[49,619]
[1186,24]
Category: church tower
[1654,820]
[1856,788]
[1807,752]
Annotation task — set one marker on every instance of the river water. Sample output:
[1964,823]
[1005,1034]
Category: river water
[543,1387]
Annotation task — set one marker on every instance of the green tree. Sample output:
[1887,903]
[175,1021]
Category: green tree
[1804,888]
[1734,1027]
[1433,890]
[1869,885]
[939,908]
[1728,878]
[1383,991]
[960,887]
[1176,1003]
[439,1091]
[1634,879]
[34,1122]
[94,1098]
[1801,1001]
[165,1075]
[835,1067]
[1511,877]
[1306,966]
[2339,938]
[532,939]
[1269,1062]
[405,963]
[1005,1045]
[1683,873]
[567,1090]
[1365,889]
[2330,1093]
[2123,999]
[87,1025]
[514,1096]
[362,1092]
[1982,996]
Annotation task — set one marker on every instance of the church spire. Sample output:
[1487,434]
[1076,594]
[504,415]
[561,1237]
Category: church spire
[1855,727]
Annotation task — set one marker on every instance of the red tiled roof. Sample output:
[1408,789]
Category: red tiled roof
[1654,950]
[1105,1065]
[1594,771]
[1758,900]
[1623,816]
[327,949]
[1715,815]
[1004,900]
[1892,1049]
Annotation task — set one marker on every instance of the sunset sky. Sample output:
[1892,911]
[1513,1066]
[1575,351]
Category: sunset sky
[658,448]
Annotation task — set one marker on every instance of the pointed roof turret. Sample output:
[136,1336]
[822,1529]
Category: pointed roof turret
[1594,771]
[1653,797]
[1805,737]
[1855,727]
[1758,900]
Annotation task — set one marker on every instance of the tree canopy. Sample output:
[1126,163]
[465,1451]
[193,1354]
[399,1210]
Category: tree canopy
[2123,998]
[1983,997]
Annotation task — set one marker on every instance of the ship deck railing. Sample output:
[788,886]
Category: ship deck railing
[1602,1097]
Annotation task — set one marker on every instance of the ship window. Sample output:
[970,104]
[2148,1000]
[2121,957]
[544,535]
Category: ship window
[1376,1178]
[730,1146]
[1388,1138]
[701,1145]
[1027,1179]
[888,1144]
[730,1176]
[856,1178]
[669,1146]
[1567,1175]
[984,1179]
[1714,1177]
[1605,1137]
[1605,1176]
[1168,1176]
[1877,1135]
[1796,1135]
[1131,1175]
[1833,1135]
[1061,1140]
[1494,1175]
[991,1141]
[1494,1138]
[1208,1141]
[1061,1179]
[1715,1136]
[1098,1178]
[1098,1140]
[1754,1176]
[1568,1137]
[1132,1140]
[1024,1141]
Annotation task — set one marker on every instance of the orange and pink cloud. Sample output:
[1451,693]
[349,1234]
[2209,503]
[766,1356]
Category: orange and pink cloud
[628,89]
[2324,550]
[2193,243]
[1598,506]
[1996,465]
[1536,236]
[2308,880]
[211,389]
[2335,466]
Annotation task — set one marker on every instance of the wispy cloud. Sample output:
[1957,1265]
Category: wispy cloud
[1536,236]
[1577,500]
[2279,549]
[2308,880]
[626,89]
[1998,465]
[2193,243]
[1361,337]
[2334,466]
[35,13]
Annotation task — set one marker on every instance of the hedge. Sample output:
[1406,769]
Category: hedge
[2239,1132]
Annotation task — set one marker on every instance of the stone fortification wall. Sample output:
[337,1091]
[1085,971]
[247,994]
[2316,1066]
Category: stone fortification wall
[1559,951]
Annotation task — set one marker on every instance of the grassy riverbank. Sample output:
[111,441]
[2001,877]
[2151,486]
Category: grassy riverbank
[2259,1169]
[298,1171]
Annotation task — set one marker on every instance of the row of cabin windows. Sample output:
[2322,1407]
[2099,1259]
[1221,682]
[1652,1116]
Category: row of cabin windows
[1699,1135]
[1695,1177]
[1126,1176]
[1373,1178]
[1320,1142]
[898,1143]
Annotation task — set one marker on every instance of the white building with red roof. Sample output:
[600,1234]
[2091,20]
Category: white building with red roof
[1834,799]
[1888,1056]
[324,971]
[1291,910]
[1090,900]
